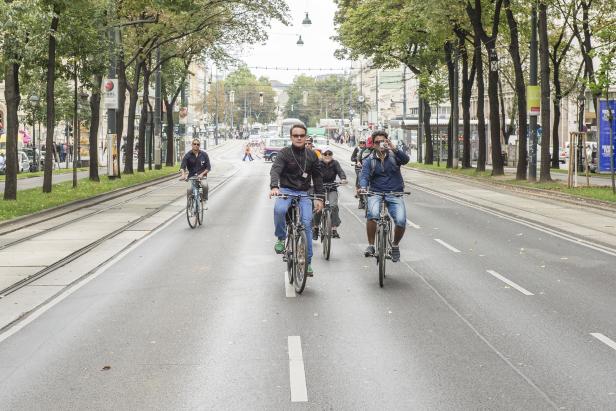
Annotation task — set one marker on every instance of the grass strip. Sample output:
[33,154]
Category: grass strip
[22,176]
[33,200]
[593,192]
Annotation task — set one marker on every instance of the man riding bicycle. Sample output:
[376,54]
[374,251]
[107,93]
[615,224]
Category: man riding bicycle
[330,168]
[196,163]
[291,173]
[381,174]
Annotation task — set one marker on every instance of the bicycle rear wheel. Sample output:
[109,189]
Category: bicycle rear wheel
[300,261]
[326,233]
[191,215]
[382,253]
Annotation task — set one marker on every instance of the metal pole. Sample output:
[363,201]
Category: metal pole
[157,112]
[361,93]
[377,98]
[111,112]
[404,105]
[75,126]
[216,124]
[532,164]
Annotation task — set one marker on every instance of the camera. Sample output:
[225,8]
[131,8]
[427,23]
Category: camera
[382,144]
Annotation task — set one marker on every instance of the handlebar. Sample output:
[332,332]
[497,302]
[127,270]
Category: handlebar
[333,185]
[392,193]
[297,196]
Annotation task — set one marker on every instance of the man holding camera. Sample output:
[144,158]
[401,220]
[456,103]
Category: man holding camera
[381,174]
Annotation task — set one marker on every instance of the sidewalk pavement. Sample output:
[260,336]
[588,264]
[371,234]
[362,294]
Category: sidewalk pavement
[596,225]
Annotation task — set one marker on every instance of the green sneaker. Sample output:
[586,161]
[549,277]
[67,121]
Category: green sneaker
[279,247]
[309,271]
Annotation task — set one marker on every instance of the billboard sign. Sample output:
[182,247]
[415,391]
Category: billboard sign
[604,134]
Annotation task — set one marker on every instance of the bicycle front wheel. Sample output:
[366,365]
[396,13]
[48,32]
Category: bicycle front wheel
[326,234]
[290,255]
[201,210]
[300,261]
[382,253]
[191,214]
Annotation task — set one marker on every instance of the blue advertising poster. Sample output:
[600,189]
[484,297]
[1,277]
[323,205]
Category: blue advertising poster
[604,135]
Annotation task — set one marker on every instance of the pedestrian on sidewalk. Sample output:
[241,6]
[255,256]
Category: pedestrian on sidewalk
[248,153]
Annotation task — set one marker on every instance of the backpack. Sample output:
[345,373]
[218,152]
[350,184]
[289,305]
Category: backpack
[374,161]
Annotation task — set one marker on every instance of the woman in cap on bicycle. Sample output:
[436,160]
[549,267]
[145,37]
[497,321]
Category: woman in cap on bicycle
[381,174]
[330,168]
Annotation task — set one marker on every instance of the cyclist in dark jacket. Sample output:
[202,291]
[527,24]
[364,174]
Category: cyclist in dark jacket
[330,169]
[196,163]
[291,173]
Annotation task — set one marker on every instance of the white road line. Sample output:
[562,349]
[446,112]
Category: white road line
[354,215]
[288,288]
[412,224]
[607,341]
[444,244]
[297,375]
[510,283]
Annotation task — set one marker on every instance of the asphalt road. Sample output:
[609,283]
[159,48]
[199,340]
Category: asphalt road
[481,313]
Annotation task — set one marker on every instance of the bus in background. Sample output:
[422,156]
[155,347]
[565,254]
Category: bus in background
[286,125]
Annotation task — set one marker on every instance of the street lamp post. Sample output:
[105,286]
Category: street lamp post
[34,101]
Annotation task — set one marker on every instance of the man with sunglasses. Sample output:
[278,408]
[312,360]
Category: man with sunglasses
[293,170]
[330,168]
[381,173]
[196,163]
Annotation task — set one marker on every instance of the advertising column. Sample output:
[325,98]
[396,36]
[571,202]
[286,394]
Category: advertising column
[605,131]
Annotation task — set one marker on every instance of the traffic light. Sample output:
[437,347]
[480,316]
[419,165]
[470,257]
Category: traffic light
[260,97]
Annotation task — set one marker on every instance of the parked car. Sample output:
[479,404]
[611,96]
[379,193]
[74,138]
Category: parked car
[273,146]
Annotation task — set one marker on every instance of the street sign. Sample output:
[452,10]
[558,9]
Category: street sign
[111,95]
[533,100]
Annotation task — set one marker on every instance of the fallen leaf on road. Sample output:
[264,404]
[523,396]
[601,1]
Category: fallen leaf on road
[106,368]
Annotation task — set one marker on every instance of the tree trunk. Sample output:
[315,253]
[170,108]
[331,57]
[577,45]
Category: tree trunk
[12,97]
[556,104]
[133,99]
[51,78]
[497,155]
[503,115]
[467,89]
[544,59]
[427,114]
[95,108]
[450,78]
[520,89]
[170,126]
[143,120]
[121,72]
[481,119]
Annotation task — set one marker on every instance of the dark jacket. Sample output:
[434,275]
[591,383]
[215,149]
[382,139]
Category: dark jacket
[196,164]
[385,177]
[331,170]
[289,166]
[359,155]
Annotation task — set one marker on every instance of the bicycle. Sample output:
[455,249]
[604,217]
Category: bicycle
[296,246]
[384,233]
[194,203]
[325,228]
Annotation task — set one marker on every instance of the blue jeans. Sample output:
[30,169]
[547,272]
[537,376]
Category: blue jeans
[280,212]
[395,206]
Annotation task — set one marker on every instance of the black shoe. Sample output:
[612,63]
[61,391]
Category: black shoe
[335,234]
[315,233]
[361,205]
[395,253]
[369,251]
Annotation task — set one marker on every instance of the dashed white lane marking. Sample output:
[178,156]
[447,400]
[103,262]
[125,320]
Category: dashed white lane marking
[606,340]
[444,244]
[509,282]
[412,224]
[297,375]
[354,215]
[288,288]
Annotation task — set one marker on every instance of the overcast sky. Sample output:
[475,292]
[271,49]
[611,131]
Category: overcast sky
[281,50]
